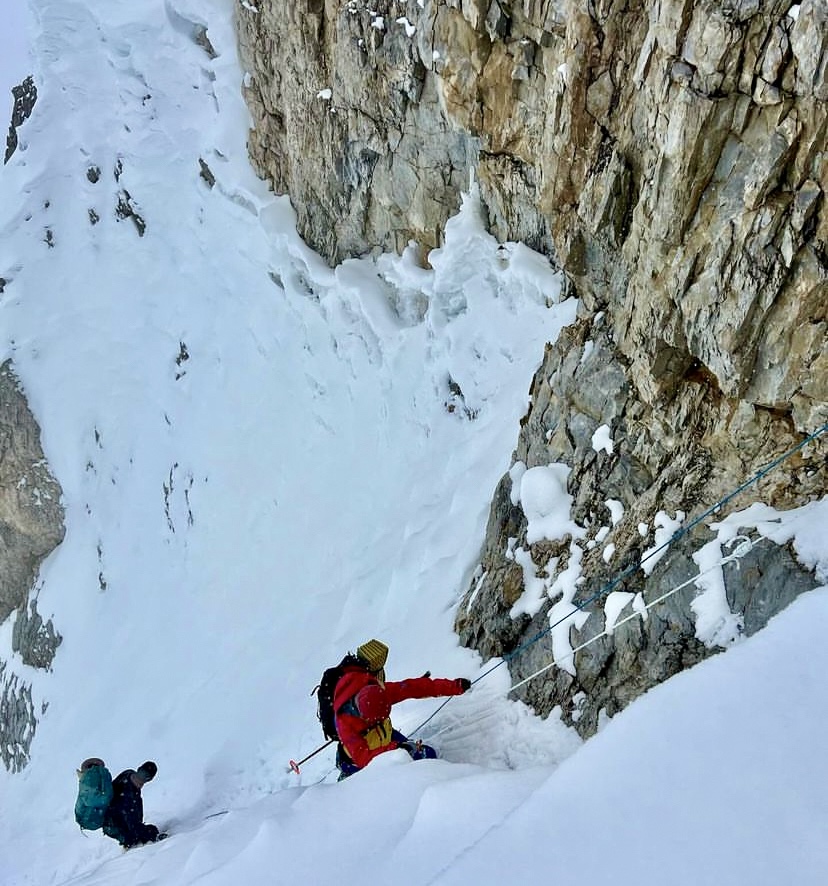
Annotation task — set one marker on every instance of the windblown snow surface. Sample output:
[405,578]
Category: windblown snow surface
[266,462]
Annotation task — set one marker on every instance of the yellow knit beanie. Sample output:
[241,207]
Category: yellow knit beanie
[374,654]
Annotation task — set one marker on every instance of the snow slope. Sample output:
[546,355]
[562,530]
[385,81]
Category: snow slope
[266,462]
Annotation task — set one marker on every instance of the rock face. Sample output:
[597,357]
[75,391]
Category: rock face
[670,156]
[25,96]
[676,457]
[348,121]
[31,516]
[685,178]
[17,720]
[31,526]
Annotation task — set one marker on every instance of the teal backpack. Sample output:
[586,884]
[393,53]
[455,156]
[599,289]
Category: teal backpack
[94,794]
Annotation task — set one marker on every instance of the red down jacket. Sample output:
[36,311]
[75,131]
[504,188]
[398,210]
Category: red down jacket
[364,740]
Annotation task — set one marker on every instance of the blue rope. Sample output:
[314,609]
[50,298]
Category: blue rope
[635,566]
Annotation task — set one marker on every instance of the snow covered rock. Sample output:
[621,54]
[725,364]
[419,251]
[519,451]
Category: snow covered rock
[25,96]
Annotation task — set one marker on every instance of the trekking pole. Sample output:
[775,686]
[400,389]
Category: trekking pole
[294,766]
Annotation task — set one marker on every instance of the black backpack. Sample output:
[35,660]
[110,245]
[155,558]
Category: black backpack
[325,694]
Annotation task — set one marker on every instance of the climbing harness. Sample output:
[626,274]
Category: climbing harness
[603,591]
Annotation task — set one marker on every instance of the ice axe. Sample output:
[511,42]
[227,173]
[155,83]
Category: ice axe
[294,765]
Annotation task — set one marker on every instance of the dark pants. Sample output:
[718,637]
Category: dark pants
[347,766]
[143,833]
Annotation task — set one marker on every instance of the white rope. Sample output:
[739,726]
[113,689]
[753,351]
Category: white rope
[459,726]
[744,547]
[466,724]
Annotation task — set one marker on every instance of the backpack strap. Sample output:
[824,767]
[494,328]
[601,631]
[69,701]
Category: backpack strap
[349,707]
[382,729]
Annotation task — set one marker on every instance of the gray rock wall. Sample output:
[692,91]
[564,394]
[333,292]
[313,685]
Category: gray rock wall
[669,154]
[17,720]
[31,515]
[372,161]
[31,527]
[25,96]
[682,454]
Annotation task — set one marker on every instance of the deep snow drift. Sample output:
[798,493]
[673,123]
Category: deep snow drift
[266,462]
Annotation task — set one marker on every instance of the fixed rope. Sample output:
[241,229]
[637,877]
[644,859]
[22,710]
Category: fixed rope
[744,546]
[626,573]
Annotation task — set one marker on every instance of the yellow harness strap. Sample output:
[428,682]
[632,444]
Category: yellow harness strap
[379,736]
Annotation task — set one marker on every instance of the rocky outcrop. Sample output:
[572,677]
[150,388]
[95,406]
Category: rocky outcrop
[36,641]
[31,526]
[25,96]
[17,720]
[31,516]
[669,155]
[677,457]
[348,121]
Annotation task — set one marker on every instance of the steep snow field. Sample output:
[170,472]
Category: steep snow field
[266,462]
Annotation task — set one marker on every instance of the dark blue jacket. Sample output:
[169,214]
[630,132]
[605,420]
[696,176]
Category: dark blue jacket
[124,820]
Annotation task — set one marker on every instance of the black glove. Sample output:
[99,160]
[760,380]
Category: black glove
[427,674]
[463,684]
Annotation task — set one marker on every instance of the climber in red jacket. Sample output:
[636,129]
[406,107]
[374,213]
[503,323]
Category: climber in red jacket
[362,705]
